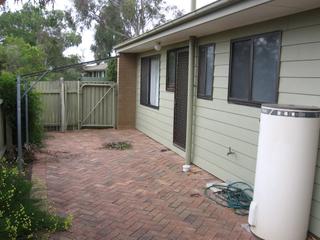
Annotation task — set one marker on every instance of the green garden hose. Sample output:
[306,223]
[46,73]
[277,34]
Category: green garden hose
[236,195]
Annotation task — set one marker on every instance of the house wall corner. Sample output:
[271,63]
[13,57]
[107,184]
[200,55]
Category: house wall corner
[126,97]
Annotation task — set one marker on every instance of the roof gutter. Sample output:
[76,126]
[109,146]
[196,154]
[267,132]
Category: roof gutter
[186,18]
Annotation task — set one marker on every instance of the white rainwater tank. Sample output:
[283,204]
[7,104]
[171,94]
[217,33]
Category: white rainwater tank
[286,163]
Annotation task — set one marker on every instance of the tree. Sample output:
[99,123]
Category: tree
[53,31]
[41,3]
[117,20]
[19,57]
[109,31]
[142,15]
[112,70]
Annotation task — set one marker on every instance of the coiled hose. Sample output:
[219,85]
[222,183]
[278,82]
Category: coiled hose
[236,195]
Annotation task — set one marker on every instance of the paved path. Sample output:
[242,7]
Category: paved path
[139,193]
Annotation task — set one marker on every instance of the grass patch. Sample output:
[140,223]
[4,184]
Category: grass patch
[118,145]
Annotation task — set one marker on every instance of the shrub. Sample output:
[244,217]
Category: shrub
[112,70]
[8,94]
[36,129]
[21,215]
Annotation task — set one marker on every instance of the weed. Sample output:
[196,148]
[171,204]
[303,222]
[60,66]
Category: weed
[22,216]
[118,145]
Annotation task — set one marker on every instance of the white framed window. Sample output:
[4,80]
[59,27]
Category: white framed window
[150,81]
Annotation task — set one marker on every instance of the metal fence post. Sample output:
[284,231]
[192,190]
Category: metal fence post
[113,106]
[78,100]
[26,110]
[19,134]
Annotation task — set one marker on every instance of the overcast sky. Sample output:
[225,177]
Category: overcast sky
[87,35]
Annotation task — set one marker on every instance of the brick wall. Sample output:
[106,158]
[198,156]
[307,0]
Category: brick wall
[126,106]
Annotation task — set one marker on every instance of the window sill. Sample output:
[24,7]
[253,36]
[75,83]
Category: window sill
[170,89]
[205,97]
[150,106]
[246,103]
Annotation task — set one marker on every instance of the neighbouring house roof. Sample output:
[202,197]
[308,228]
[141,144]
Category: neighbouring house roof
[94,68]
[216,17]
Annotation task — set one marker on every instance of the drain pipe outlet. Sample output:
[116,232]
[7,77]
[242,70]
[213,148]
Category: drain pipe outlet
[187,166]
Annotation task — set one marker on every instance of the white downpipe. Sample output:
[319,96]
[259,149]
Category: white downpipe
[193,5]
[188,160]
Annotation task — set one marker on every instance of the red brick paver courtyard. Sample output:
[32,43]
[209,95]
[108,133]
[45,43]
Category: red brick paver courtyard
[139,193]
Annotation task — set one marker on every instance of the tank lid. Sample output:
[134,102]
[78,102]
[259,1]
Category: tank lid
[291,110]
[291,107]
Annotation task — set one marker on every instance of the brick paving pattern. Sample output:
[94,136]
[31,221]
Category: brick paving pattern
[140,193]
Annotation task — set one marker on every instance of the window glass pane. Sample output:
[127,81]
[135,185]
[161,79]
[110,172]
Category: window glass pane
[171,70]
[240,72]
[144,81]
[154,82]
[265,68]
[202,72]
[209,76]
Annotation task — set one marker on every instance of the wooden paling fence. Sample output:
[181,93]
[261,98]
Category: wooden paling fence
[77,104]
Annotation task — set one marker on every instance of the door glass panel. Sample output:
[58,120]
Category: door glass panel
[171,70]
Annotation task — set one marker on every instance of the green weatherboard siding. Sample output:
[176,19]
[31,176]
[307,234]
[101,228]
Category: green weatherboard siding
[219,125]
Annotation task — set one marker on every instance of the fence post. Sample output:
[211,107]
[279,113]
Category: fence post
[19,134]
[63,106]
[26,100]
[114,106]
[78,98]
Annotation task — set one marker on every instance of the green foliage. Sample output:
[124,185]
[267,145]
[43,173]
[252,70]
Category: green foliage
[118,145]
[34,39]
[41,3]
[112,70]
[109,31]
[36,130]
[21,215]
[69,74]
[8,94]
[52,31]
[19,57]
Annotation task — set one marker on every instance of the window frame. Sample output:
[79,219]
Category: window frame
[200,96]
[175,51]
[158,56]
[250,102]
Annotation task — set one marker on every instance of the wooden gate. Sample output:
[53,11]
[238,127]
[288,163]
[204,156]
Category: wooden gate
[97,105]
[77,104]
